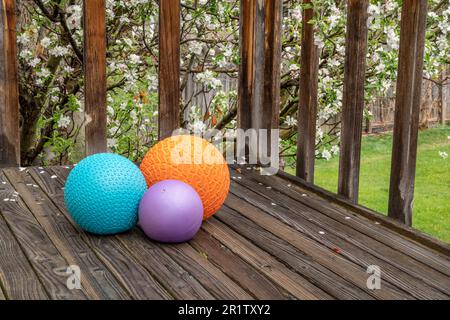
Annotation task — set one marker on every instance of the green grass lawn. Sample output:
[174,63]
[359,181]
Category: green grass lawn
[432,188]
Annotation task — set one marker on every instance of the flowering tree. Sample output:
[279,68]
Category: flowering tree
[51,82]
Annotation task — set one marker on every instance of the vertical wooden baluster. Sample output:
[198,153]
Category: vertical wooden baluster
[9,92]
[259,72]
[353,99]
[407,109]
[307,111]
[246,69]
[272,61]
[257,106]
[169,67]
[95,75]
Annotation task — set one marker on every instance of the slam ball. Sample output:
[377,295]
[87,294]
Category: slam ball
[170,211]
[102,193]
[194,161]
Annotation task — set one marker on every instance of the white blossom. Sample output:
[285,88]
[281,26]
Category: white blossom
[134,58]
[326,154]
[59,51]
[290,121]
[46,42]
[64,121]
[34,62]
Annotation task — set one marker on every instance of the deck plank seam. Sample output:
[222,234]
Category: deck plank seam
[359,246]
[66,257]
[156,277]
[104,261]
[220,223]
[285,264]
[218,267]
[19,243]
[312,280]
[361,221]
[293,225]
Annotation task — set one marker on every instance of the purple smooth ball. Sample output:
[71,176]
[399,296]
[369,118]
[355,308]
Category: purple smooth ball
[170,211]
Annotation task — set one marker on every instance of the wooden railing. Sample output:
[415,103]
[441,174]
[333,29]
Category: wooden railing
[259,86]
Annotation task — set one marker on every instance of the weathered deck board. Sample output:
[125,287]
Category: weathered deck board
[282,249]
[190,287]
[273,239]
[99,281]
[16,274]
[365,226]
[368,251]
[294,283]
[37,246]
[109,250]
[237,269]
[211,277]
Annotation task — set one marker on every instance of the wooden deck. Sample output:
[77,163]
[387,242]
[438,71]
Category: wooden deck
[273,239]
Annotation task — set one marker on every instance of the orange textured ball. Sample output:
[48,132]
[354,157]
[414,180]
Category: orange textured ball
[194,161]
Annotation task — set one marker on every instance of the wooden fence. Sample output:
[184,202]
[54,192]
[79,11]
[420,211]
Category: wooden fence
[258,86]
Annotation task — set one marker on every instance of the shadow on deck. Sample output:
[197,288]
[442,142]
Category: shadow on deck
[273,239]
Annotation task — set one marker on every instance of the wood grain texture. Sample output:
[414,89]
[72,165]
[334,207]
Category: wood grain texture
[97,280]
[259,118]
[378,229]
[259,71]
[17,277]
[131,274]
[307,111]
[38,248]
[177,281]
[169,67]
[211,277]
[353,98]
[9,90]
[246,79]
[283,250]
[270,115]
[292,282]
[407,110]
[241,272]
[274,238]
[324,265]
[430,247]
[94,14]
[409,275]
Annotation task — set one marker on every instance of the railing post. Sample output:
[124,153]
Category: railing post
[169,67]
[270,116]
[407,109]
[95,75]
[9,92]
[259,72]
[246,80]
[307,111]
[353,99]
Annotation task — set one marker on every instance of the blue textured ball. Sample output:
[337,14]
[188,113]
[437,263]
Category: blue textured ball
[102,193]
